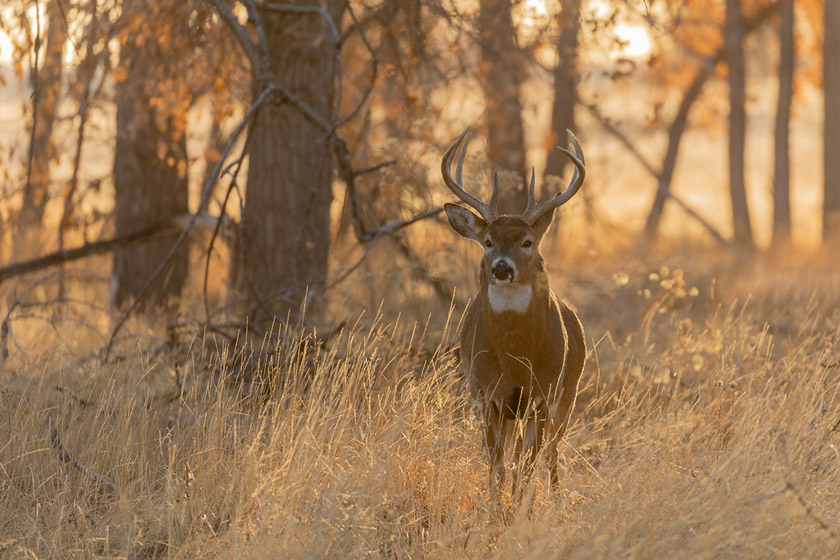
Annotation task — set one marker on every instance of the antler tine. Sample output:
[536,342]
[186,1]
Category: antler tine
[494,198]
[456,186]
[459,167]
[535,210]
[531,201]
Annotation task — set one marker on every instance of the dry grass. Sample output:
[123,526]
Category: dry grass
[708,427]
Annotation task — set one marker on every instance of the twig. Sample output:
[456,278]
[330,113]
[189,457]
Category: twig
[6,325]
[384,230]
[374,70]
[374,168]
[809,512]
[615,131]
[222,215]
[264,77]
[240,33]
[65,456]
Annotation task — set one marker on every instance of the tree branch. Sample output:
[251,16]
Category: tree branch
[240,33]
[65,456]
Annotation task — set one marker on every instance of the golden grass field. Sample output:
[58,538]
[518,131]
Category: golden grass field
[707,426]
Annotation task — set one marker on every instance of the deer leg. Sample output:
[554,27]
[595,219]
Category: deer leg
[559,422]
[518,428]
[494,439]
[533,432]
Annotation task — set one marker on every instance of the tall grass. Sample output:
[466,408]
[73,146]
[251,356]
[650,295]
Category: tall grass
[708,426]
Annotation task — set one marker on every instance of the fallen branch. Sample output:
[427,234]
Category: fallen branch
[91,249]
[65,456]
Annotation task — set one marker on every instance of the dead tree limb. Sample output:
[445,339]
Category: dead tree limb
[663,177]
[67,457]
[32,135]
[91,249]
[387,229]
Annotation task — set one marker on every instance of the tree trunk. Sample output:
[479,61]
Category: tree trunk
[737,124]
[781,169]
[831,154]
[500,79]
[150,180]
[286,217]
[47,94]
[565,89]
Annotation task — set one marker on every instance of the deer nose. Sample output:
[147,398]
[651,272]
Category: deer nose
[502,271]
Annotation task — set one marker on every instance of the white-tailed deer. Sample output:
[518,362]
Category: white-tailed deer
[522,349]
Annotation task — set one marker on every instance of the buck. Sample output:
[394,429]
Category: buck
[522,349]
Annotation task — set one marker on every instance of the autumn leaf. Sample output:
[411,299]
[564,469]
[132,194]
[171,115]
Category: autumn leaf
[119,74]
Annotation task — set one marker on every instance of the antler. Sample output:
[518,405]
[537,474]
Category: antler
[487,211]
[535,210]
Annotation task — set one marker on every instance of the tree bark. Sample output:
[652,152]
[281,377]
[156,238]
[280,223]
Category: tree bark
[737,124]
[47,93]
[286,217]
[781,169]
[831,154]
[500,80]
[150,180]
[565,89]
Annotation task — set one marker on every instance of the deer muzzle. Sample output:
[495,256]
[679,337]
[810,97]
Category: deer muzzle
[502,271]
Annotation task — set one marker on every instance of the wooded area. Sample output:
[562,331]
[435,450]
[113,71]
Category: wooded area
[328,86]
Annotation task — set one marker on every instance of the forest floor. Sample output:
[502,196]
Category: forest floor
[707,426]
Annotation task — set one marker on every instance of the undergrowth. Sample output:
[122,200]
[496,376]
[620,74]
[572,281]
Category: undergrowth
[707,426]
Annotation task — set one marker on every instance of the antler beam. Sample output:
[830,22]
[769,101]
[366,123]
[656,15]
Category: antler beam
[487,211]
[536,209]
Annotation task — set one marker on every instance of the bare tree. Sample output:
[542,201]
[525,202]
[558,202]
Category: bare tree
[679,124]
[781,169]
[500,80]
[565,87]
[734,37]
[150,179]
[286,218]
[831,70]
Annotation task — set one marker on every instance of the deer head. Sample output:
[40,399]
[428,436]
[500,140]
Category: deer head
[511,242]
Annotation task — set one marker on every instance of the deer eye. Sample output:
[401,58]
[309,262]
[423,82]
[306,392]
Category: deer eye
[527,243]
[488,243]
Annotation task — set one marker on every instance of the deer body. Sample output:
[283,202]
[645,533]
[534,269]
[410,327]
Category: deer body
[522,349]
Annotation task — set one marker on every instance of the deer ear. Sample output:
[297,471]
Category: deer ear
[542,224]
[465,222]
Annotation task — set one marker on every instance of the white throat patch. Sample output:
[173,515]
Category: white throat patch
[509,297]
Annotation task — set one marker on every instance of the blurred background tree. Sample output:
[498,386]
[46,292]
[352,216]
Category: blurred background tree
[150,153]
[128,112]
